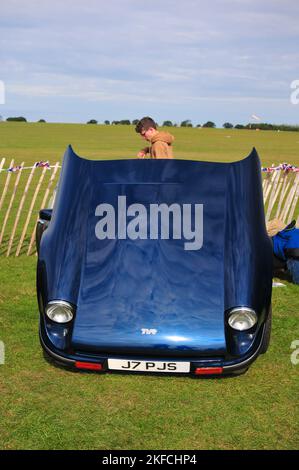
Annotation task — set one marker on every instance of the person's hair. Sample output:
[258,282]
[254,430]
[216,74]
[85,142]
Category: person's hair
[144,124]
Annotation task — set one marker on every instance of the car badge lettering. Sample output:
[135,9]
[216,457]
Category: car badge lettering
[148,331]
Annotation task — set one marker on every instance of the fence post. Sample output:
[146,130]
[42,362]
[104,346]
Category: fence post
[282,194]
[6,184]
[273,197]
[270,185]
[19,211]
[2,353]
[287,204]
[292,205]
[30,211]
[11,201]
[43,205]
[2,163]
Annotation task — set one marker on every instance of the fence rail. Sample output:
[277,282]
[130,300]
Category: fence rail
[26,190]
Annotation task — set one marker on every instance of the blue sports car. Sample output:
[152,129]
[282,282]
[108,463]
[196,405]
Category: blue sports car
[155,266]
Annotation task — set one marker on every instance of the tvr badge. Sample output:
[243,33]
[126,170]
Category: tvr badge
[147,331]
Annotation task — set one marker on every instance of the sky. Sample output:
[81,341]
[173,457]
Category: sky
[218,60]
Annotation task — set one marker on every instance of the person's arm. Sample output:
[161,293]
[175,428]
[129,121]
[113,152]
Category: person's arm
[143,152]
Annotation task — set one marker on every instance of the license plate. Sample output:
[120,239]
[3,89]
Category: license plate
[149,366]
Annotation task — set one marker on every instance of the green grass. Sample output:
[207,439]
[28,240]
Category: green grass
[39,141]
[45,407]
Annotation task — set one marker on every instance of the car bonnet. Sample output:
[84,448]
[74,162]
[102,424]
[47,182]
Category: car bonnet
[140,295]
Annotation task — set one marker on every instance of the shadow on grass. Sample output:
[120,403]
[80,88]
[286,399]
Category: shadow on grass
[13,249]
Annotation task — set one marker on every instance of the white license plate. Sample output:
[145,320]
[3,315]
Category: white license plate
[148,366]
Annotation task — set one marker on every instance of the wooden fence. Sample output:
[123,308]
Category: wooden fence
[23,193]
[26,190]
[281,193]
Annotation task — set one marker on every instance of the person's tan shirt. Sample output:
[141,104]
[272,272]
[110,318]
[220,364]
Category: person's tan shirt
[161,145]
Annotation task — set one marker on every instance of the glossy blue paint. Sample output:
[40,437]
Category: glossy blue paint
[122,286]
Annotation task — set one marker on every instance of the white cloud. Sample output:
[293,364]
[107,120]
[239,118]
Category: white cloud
[169,52]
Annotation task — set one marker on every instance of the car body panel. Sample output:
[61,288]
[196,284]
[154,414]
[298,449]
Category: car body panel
[152,296]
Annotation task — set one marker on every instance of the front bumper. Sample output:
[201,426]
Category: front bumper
[228,366]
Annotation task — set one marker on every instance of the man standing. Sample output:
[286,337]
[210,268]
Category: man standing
[161,142]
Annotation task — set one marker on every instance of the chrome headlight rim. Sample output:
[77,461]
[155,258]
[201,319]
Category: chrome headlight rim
[68,310]
[236,312]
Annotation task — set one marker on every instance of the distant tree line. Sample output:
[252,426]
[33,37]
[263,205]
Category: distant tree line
[127,122]
[186,123]
[17,119]
[263,126]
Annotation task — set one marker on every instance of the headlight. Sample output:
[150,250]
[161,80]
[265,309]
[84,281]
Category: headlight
[59,311]
[242,318]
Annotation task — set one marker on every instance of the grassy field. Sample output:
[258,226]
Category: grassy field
[39,141]
[45,407]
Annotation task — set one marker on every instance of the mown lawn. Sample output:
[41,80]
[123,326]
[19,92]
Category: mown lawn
[44,141]
[45,407]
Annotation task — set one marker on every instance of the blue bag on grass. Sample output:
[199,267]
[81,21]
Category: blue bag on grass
[286,248]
